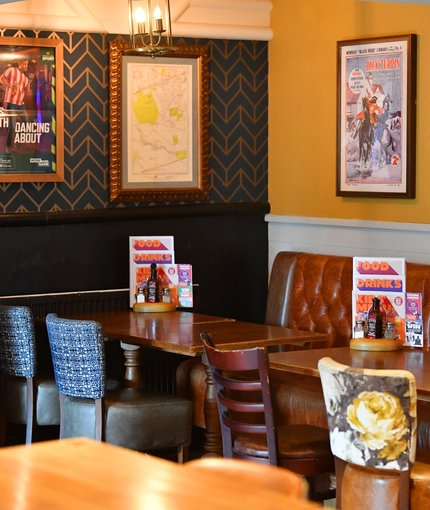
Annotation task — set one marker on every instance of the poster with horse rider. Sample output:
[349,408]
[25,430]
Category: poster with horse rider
[376,117]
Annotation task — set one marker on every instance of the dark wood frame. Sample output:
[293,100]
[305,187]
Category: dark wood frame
[357,186]
[120,189]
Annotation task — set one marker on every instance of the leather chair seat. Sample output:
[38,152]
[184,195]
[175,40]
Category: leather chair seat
[376,489]
[135,419]
[14,400]
[301,442]
[420,486]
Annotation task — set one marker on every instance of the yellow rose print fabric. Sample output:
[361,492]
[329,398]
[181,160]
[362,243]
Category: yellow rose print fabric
[371,414]
[382,424]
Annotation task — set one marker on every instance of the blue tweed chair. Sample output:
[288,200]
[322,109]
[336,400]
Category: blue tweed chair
[26,398]
[372,419]
[136,419]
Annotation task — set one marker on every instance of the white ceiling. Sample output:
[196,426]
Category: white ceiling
[219,19]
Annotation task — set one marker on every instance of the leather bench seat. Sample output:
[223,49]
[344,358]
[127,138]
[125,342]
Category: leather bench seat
[298,399]
[310,292]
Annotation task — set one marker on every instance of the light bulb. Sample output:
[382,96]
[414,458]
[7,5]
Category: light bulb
[140,18]
[140,15]
[158,20]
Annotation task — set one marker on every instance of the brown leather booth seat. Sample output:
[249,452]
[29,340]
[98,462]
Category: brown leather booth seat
[311,292]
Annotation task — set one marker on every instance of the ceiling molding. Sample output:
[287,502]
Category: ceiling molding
[213,19]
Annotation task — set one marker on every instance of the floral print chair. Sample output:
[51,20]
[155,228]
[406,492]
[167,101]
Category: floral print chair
[372,419]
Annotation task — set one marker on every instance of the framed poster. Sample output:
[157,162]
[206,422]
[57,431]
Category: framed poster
[31,110]
[376,117]
[158,125]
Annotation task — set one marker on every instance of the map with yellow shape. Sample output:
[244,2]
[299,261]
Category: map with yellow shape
[159,130]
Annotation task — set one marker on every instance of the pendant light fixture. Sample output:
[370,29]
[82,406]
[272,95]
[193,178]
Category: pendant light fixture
[150,28]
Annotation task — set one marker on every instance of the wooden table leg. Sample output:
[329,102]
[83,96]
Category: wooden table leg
[213,442]
[133,376]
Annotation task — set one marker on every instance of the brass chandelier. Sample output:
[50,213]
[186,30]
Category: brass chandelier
[150,28]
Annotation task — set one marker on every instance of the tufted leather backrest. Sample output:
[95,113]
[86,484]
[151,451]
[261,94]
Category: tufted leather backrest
[313,292]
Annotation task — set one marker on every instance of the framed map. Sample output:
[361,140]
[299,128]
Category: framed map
[158,125]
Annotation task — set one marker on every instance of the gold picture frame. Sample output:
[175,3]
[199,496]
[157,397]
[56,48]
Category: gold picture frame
[31,110]
[158,125]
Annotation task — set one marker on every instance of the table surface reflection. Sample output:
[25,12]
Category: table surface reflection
[416,361]
[83,474]
[179,332]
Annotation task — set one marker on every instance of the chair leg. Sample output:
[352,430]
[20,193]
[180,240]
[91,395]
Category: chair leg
[99,420]
[183,454]
[30,411]
[3,421]
[340,470]
[3,430]
[62,399]
[404,490]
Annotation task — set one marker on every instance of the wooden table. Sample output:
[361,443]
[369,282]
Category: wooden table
[416,361]
[179,332]
[80,474]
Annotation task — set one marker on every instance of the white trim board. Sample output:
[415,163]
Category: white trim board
[348,237]
[212,19]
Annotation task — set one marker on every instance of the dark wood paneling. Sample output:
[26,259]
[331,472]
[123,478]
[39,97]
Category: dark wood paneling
[227,244]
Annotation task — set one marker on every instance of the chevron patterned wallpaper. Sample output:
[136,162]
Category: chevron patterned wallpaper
[238,126]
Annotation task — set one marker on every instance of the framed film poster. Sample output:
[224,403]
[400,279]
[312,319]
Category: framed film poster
[31,110]
[376,117]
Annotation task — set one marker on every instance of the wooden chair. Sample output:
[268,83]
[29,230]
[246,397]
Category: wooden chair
[136,419]
[242,386]
[253,475]
[26,397]
[372,418]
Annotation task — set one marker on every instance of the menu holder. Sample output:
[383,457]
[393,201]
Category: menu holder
[378,344]
[154,307]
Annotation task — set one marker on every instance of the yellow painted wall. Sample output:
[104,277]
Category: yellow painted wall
[302,106]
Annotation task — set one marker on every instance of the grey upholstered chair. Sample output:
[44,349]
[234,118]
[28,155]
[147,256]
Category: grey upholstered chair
[26,397]
[136,419]
[372,419]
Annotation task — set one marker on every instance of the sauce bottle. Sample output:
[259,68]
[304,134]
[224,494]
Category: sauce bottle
[153,286]
[375,319]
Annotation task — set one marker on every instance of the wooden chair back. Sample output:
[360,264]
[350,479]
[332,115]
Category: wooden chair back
[253,474]
[242,386]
